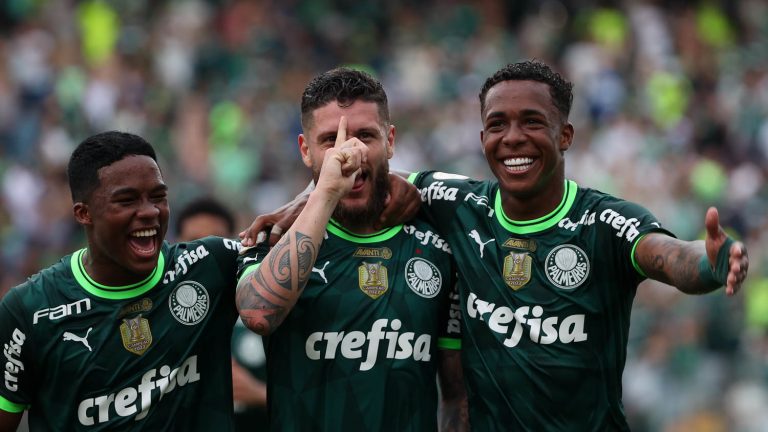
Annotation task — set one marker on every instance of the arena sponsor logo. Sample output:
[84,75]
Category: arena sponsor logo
[13,363]
[423,277]
[61,311]
[184,262]
[428,237]
[438,191]
[541,330]
[155,383]
[352,345]
[189,303]
[481,201]
[567,266]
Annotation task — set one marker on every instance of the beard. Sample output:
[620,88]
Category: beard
[362,217]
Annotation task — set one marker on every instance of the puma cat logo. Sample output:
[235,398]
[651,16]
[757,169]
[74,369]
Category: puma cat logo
[321,271]
[474,235]
[68,336]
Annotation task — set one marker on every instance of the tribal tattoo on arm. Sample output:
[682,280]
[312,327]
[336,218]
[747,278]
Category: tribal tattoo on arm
[267,295]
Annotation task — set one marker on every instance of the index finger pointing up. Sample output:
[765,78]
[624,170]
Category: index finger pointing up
[341,134]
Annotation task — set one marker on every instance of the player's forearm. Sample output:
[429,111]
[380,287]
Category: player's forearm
[452,412]
[674,262]
[267,295]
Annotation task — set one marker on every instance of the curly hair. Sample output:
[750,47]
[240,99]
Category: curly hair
[560,89]
[98,151]
[345,86]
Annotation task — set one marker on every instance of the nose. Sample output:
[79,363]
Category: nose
[148,209]
[514,135]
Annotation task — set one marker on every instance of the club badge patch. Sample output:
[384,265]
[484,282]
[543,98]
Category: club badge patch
[567,266]
[372,279]
[423,277]
[517,269]
[136,334]
[189,303]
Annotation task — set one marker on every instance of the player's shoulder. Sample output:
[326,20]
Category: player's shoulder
[205,246]
[601,201]
[43,287]
[421,231]
[436,186]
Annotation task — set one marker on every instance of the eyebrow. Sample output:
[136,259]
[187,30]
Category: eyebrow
[161,187]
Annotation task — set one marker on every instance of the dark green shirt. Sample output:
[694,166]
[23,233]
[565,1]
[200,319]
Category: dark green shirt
[546,303]
[358,351]
[151,356]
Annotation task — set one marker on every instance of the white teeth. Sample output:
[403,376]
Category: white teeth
[518,161]
[144,233]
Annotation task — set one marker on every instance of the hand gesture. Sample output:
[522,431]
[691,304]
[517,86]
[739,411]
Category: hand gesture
[738,260]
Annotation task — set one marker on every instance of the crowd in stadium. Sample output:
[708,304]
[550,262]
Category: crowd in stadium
[670,110]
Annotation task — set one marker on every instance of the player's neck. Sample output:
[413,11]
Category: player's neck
[531,205]
[106,272]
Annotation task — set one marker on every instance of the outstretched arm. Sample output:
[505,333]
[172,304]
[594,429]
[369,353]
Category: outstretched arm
[695,267]
[266,295]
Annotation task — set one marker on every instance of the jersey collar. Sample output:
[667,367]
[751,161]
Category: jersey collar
[114,293]
[336,229]
[542,223]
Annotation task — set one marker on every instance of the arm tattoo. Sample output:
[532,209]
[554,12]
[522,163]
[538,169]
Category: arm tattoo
[676,263]
[268,294]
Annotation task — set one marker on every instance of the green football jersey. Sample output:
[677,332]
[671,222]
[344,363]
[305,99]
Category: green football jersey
[359,349]
[150,356]
[546,303]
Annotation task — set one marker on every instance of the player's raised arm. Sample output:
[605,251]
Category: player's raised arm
[266,295]
[695,267]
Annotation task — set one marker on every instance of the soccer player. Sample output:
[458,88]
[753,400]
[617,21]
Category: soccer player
[354,315]
[204,217]
[549,269]
[130,332]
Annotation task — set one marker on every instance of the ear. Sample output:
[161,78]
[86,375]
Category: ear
[566,137]
[304,149]
[391,142]
[82,213]
[482,143]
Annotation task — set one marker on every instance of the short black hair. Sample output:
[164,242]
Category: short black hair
[98,151]
[560,89]
[205,205]
[344,85]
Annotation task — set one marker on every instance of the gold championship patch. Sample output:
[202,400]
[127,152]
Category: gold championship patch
[517,269]
[372,279]
[136,335]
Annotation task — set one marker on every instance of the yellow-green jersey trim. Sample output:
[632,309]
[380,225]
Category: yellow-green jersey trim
[412,177]
[542,223]
[336,229]
[449,343]
[248,270]
[634,261]
[114,293]
[9,406]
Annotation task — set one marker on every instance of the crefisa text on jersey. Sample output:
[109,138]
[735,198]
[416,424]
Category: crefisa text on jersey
[625,227]
[130,400]
[541,330]
[191,256]
[13,364]
[399,345]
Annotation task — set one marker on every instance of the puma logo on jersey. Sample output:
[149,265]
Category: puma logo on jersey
[474,235]
[321,271]
[155,383]
[541,330]
[13,364]
[69,336]
[353,344]
[250,259]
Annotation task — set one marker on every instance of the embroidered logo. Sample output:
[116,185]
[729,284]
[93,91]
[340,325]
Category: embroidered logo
[372,279]
[189,303]
[423,277]
[136,334]
[474,235]
[321,271]
[517,269]
[567,266]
